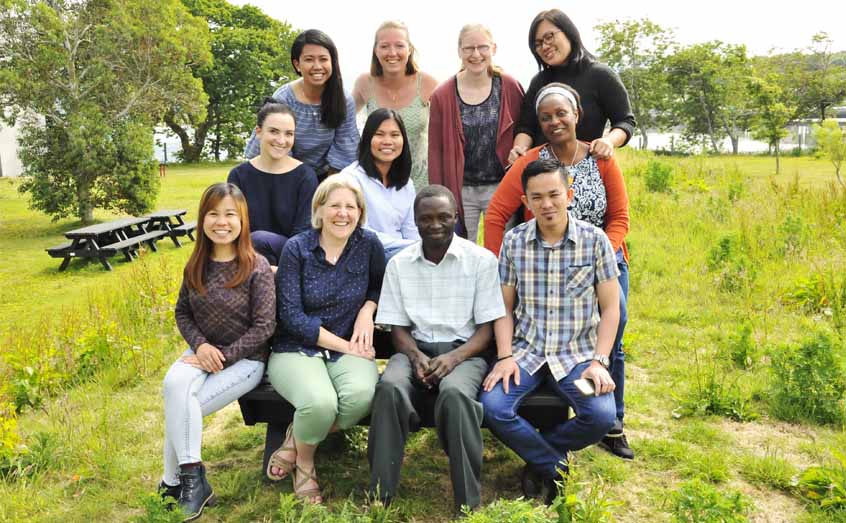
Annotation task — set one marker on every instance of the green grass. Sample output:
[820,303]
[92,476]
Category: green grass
[92,450]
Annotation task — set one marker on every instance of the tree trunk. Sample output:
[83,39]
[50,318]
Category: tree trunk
[191,153]
[86,208]
[645,139]
[735,143]
[778,164]
[216,142]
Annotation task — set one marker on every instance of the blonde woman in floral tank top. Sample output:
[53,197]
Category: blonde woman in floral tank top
[395,82]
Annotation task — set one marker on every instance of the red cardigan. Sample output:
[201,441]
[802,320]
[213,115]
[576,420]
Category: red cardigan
[446,136]
[506,201]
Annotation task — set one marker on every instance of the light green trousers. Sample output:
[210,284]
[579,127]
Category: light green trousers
[325,393]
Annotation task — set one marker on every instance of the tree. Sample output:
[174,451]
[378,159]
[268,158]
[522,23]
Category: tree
[250,52]
[636,49]
[831,141]
[772,112]
[709,85]
[88,79]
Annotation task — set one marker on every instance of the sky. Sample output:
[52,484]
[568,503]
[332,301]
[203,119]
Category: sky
[434,25]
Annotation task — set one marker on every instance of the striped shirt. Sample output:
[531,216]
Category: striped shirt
[441,302]
[315,144]
[557,315]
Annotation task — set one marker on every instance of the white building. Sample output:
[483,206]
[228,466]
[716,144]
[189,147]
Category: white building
[10,164]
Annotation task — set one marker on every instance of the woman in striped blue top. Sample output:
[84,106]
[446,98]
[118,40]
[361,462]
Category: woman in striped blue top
[326,135]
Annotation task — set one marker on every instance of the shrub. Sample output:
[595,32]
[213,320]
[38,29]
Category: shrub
[699,502]
[809,381]
[794,235]
[825,486]
[734,270]
[658,176]
[821,293]
[741,347]
[714,393]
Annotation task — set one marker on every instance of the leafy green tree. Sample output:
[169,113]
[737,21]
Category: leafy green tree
[637,49]
[831,142]
[709,85]
[250,52]
[88,79]
[772,112]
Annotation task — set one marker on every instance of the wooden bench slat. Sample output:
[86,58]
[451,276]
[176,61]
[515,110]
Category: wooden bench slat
[112,248]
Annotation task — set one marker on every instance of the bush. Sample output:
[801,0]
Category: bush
[794,235]
[809,381]
[821,293]
[582,501]
[825,486]
[734,270]
[699,502]
[741,347]
[715,393]
[658,176]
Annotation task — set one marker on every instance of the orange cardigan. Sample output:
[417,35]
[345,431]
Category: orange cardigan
[506,201]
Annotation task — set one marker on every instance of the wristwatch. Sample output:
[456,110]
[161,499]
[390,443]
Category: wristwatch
[604,360]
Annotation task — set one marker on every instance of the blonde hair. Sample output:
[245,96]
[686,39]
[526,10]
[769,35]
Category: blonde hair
[493,70]
[329,185]
[410,66]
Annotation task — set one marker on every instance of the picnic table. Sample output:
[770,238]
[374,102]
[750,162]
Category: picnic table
[172,221]
[104,240]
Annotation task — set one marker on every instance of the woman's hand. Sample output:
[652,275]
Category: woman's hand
[602,148]
[361,342]
[210,358]
[516,152]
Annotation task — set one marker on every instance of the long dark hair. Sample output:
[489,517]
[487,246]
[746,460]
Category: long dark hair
[195,269]
[579,57]
[400,170]
[333,102]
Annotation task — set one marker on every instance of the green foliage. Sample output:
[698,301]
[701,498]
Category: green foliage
[714,393]
[770,470]
[772,111]
[90,79]
[293,510]
[831,143]
[658,176]
[741,348]
[699,502]
[794,235]
[508,511]
[9,438]
[157,510]
[809,381]
[735,271]
[583,501]
[250,51]
[124,329]
[822,293]
[637,49]
[826,485]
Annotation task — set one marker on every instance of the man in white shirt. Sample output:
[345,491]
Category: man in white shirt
[440,312]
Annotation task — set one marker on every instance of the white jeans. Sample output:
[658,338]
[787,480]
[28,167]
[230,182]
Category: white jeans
[191,393]
[475,201]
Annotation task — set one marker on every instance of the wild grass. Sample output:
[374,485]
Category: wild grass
[86,444]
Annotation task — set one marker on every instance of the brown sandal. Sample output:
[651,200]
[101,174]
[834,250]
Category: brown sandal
[277,461]
[301,477]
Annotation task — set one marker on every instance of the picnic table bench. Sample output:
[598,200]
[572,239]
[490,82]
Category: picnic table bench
[103,240]
[543,408]
[172,221]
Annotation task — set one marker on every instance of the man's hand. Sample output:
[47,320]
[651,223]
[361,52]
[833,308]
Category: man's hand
[419,365]
[503,370]
[602,381]
[210,358]
[602,148]
[439,367]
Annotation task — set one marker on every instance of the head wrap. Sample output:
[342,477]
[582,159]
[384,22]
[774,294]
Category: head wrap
[554,89]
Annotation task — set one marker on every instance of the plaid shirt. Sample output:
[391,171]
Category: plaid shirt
[557,315]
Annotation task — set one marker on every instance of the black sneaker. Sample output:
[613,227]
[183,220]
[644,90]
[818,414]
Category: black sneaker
[617,444]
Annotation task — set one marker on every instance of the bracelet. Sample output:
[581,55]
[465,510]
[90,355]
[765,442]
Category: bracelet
[504,357]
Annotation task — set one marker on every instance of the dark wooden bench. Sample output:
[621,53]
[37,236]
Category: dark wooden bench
[263,404]
[186,229]
[130,245]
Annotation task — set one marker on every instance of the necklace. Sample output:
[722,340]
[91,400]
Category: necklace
[572,160]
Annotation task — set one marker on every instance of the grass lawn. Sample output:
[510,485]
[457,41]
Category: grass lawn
[722,277]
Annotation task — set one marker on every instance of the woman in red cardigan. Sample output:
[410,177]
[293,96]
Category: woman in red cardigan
[471,126]
[599,197]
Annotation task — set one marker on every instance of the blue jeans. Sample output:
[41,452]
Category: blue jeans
[547,450]
[618,357]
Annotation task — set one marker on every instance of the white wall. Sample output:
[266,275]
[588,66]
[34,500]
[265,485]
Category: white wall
[10,164]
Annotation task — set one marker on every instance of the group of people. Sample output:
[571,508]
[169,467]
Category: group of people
[324,237]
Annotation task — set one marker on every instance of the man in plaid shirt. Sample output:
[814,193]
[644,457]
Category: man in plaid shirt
[562,274]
